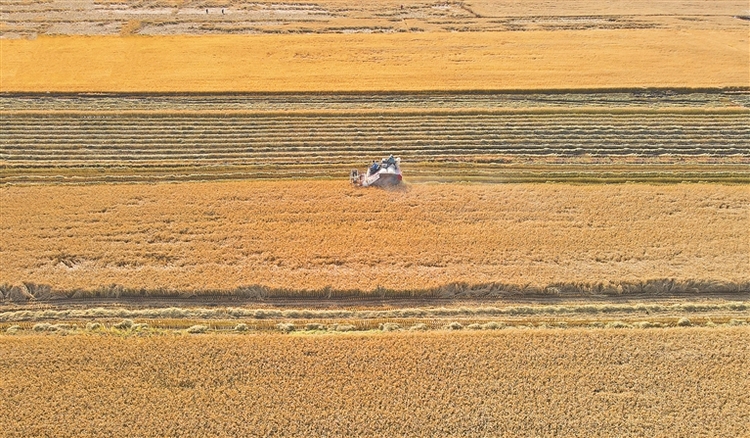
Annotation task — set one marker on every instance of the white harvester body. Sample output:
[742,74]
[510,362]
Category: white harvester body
[383,174]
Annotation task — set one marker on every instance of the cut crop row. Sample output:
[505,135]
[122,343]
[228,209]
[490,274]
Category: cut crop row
[370,101]
[35,142]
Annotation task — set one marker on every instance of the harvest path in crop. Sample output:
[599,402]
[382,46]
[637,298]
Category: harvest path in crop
[41,141]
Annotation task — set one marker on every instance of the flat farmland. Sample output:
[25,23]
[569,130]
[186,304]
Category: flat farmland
[391,62]
[213,46]
[483,137]
[181,253]
[605,382]
[312,238]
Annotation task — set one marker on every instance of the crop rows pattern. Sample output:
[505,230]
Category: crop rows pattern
[646,99]
[608,382]
[210,140]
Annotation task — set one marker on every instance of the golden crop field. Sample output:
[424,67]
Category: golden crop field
[604,382]
[341,45]
[430,61]
[181,253]
[216,237]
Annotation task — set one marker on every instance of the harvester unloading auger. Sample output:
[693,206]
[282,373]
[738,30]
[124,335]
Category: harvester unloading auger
[383,174]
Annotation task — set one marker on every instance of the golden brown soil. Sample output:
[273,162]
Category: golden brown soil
[306,235]
[656,382]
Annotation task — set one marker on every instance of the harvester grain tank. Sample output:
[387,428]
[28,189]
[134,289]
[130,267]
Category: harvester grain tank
[383,174]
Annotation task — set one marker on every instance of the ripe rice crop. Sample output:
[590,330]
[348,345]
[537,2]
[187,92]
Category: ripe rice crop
[684,381]
[327,237]
[562,59]
[305,92]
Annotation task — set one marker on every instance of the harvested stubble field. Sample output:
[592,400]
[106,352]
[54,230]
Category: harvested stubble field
[663,382]
[655,135]
[616,101]
[318,236]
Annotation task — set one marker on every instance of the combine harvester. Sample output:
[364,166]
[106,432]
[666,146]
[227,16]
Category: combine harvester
[384,174]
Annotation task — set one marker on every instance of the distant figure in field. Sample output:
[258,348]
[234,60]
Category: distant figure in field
[222,12]
[207,11]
